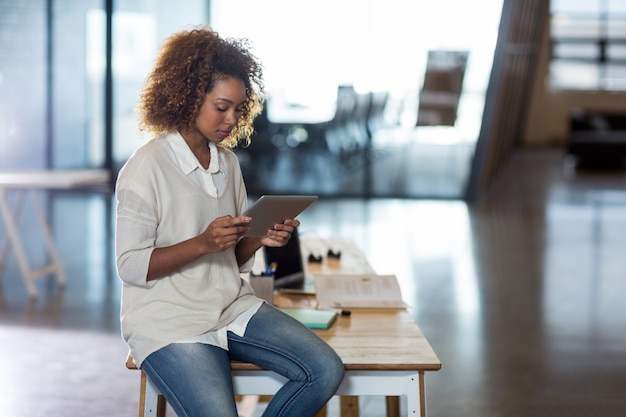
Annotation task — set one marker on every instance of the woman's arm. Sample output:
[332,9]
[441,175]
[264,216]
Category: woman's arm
[246,248]
[221,234]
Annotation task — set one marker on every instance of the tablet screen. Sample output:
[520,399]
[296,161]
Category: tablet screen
[269,210]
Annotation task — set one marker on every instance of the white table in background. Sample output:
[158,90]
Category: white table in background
[29,183]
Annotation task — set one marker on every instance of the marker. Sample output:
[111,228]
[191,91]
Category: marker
[344,313]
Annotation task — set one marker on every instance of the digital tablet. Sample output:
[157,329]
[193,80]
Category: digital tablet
[269,210]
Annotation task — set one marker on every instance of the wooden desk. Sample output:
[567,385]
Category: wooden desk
[383,350]
[28,182]
[384,353]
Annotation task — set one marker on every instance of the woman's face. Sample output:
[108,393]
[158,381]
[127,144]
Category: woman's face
[221,109]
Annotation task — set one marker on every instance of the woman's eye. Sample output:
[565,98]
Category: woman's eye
[221,109]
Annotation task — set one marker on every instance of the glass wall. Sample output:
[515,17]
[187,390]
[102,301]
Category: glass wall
[77,104]
[23,85]
[52,76]
[345,83]
[139,27]
[588,45]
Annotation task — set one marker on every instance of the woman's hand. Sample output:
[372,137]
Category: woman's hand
[221,234]
[224,232]
[276,237]
[280,235]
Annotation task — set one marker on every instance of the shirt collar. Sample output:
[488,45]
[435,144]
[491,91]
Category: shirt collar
[187,161]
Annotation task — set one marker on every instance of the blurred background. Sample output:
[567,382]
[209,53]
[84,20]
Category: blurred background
[383,98]
[473,148]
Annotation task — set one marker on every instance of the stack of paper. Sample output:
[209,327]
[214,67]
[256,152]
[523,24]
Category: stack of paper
[358,291]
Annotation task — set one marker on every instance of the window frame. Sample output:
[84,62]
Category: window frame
[599,38]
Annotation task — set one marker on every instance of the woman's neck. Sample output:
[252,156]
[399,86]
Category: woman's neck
[199,146]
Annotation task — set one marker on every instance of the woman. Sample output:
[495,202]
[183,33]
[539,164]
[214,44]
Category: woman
[180,244]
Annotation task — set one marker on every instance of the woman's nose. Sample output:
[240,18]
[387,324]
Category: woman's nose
[231,117]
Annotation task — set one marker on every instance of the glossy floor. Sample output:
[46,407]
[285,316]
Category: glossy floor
[521,296]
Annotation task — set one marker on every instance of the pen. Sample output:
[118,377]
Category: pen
[271,268]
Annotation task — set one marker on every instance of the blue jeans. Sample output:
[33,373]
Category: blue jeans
[195,378]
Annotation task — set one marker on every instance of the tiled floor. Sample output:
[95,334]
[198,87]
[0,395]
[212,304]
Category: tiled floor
[521,296]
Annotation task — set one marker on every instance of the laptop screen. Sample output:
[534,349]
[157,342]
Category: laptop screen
[289,267]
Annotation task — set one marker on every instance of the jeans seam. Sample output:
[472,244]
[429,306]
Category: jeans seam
[285,354]
[294,359]
[171,394]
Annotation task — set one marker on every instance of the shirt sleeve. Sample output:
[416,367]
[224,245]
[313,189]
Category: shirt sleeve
[135,237]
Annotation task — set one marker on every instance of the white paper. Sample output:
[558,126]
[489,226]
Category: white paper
[358,291]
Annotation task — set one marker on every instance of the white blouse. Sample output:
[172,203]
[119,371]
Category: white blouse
[164,196]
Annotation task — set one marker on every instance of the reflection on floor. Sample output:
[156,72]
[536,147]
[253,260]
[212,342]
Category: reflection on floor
[521,296]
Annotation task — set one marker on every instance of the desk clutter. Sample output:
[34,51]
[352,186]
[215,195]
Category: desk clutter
[331,254]
[331,272]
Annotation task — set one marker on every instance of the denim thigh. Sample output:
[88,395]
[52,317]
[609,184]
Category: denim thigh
[278,342]
[194,378]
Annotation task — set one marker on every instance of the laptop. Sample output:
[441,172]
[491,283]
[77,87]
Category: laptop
[289,276]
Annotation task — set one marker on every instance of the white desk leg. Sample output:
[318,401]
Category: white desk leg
[152,400]
[414,402]
[13,239]
[55,265]
[415,396]
[6,243]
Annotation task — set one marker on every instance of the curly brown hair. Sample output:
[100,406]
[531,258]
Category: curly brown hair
[186,69]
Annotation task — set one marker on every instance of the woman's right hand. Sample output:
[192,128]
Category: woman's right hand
[224,232]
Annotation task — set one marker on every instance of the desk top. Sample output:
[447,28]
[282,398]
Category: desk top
[368,339]
[53,179]
[376,340]
[381,339]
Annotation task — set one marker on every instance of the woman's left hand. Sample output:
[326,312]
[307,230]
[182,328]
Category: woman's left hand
[280,235]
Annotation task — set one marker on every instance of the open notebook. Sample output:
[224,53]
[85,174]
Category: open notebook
[358,291]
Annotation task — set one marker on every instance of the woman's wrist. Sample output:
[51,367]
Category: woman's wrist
[246,248]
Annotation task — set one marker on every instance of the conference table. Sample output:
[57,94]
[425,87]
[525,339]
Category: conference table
[383,349]
[30,183]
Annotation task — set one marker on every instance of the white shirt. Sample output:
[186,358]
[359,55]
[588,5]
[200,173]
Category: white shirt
[164,196]
[213,181]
